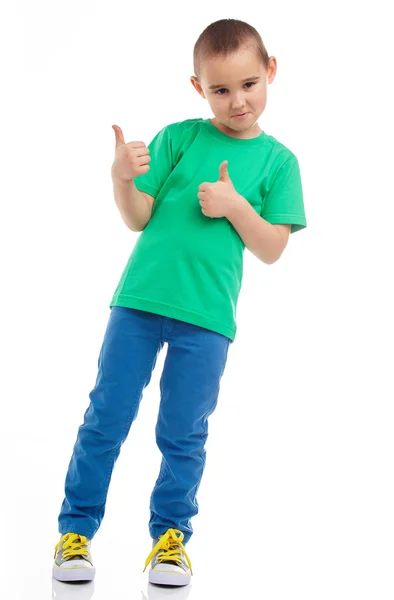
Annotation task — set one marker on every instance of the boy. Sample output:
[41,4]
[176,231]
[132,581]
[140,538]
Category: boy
[212,187]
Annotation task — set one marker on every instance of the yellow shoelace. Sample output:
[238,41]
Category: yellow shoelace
[170,546]
[74,544]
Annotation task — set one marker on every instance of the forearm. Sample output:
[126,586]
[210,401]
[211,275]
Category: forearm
[132,204]
[259,236]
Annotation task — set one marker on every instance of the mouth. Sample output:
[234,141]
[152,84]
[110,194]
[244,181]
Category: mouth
[239,116]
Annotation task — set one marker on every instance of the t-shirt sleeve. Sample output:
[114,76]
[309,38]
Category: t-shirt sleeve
[284,202]
[161,164]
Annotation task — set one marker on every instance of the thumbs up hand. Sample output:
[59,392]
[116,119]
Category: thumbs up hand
[131,159]
[219,198]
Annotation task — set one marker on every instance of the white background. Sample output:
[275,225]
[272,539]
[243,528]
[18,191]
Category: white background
[297,496]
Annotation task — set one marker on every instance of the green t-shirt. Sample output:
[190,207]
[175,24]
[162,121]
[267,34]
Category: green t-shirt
[186,265]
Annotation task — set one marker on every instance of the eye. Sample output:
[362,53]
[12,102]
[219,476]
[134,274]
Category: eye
[247,83]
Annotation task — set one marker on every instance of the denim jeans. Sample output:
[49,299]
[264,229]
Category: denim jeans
[189,386]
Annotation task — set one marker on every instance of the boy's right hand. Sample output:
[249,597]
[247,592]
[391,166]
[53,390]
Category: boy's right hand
[131,160]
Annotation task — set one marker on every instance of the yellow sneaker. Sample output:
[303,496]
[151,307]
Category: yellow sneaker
[73,561]
[170,563]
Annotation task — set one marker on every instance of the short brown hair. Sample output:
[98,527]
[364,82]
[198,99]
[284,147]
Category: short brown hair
[224,37]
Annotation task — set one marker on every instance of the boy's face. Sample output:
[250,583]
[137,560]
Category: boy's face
[235,96]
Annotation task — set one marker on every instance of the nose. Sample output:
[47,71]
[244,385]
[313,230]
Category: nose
[238,103]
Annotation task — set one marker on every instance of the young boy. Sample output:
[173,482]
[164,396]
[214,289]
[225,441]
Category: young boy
[212,187]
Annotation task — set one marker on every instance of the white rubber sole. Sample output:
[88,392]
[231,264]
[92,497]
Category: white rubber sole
[74,574]
[168,578]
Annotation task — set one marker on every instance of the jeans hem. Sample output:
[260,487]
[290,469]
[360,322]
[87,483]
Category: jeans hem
[63,529]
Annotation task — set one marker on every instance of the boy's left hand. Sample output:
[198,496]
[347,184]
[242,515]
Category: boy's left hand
[219,198]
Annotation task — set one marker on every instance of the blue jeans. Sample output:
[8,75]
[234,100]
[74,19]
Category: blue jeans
[189,385]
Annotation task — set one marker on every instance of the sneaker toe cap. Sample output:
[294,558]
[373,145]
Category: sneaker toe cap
[168,567]
[76,564]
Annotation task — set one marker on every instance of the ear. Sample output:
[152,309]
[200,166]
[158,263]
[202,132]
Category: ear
[197,85]
[271,71]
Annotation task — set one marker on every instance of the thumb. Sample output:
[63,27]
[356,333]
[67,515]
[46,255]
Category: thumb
[119,138]
[224,176]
